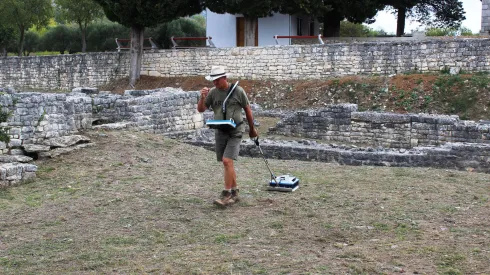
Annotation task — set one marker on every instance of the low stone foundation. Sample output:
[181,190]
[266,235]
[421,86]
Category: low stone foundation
[12,174]
[45,125]
[343,123]
[460,156]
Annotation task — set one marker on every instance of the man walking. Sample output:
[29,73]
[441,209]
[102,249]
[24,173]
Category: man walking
[227,140]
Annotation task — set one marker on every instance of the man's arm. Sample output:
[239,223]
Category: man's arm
[201,105]
[250,118]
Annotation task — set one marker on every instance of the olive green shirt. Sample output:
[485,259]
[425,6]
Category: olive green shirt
[234,106]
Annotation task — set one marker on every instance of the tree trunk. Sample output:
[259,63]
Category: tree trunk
[84,41]
[136,53]
[400,21]
[83,31]
[331,24]
[4,51]
[21,40]
[250,27]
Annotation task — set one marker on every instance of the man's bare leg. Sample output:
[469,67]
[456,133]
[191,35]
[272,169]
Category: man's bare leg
[230,174]
[230,181]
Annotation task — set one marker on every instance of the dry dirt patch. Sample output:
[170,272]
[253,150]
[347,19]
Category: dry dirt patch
[139,203]
[436,93]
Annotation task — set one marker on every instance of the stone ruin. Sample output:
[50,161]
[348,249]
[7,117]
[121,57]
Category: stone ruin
[45,125]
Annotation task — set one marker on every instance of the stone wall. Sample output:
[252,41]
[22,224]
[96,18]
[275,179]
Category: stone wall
[154,111]
[415,37]
[62,72]
[460,156]
[343,123]
[37,117]
[451,156]
[323,61]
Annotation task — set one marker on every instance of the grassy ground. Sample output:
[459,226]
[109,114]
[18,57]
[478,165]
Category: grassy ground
[140,204]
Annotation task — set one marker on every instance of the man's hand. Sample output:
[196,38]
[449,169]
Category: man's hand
[201,105]
[253,133]
[204,92]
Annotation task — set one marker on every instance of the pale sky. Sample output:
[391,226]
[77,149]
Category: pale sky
[387,21]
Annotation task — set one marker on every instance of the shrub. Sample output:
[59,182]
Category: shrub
[349,29]
[61,39]
[182,27]
[102,35]
[448,32]
[3,130]
[31,42]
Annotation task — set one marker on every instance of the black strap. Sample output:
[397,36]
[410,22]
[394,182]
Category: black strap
[228,95]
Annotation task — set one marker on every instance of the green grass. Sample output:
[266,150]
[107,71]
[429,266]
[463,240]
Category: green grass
[342,219]
[44,53]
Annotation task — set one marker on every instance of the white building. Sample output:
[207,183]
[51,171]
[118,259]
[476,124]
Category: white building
[485,17]
[227,29]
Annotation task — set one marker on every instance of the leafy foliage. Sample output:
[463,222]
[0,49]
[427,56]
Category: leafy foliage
[182,27]
[349,29]
[448,32]
[81,12]
[31,43]
[435,13]
[4,115]
[24,14]
[200,19]
[353,11]
[101,36]
[7,37]
[139,14]
[148,13]
[264,8]
[61,39]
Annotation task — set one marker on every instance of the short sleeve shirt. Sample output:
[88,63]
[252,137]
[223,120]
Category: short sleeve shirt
[234,106]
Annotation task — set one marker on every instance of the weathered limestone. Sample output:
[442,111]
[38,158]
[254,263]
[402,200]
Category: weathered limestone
[461,156]
[344,124]
[64,72]
[54,120]
[64,150]
[66,141]
[47,125]
[15,173]
[324,61]
[14,158]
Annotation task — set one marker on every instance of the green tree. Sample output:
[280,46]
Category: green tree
[182,27]
[349,29]
[448,31]
[31,42]
[4,116]
[253,9]
[435,13]
[101,35]
[60,38]
[7,37]
[25,14]
[352,10]
[80,12]
[139,14]
[201,20]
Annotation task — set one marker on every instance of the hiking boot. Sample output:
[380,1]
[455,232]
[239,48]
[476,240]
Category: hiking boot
[226,199]
[234,195]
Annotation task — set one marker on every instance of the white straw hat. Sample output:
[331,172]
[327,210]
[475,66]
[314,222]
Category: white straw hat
[217,72]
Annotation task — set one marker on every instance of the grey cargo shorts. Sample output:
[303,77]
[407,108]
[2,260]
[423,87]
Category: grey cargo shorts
[227,144]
